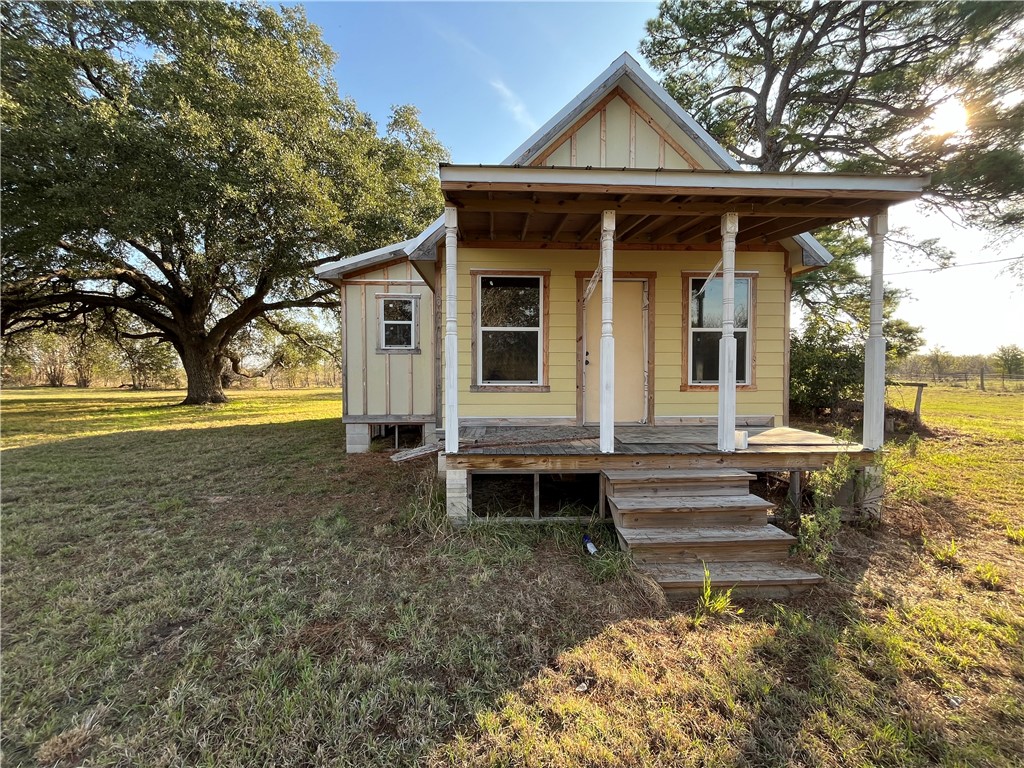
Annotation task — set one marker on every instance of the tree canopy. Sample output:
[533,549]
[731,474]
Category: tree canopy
[848,86]
[190,163]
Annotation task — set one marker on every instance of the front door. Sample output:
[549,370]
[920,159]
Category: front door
[629,321]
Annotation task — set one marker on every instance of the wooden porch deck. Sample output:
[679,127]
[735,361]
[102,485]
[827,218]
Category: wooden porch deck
[572,448]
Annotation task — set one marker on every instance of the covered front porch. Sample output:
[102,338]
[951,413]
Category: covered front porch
[578,448]
[622,208]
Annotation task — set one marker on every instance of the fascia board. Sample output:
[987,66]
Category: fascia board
[727,180]
[341,267]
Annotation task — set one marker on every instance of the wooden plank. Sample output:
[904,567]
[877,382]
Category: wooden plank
[416,453]
[692,503]
[730,574]
[690,475]
[709,535]
[768,461]
[365,346]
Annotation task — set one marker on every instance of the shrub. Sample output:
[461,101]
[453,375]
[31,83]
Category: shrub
[819,529]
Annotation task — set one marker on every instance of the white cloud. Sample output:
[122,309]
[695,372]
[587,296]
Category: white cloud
[515,105]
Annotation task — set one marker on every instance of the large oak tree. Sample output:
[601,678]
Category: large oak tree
[190,163]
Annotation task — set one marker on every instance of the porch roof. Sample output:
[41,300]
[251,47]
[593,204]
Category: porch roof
[658,206]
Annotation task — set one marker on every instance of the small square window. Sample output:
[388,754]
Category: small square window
[397,323]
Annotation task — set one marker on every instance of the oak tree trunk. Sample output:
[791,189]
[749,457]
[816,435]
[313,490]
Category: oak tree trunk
[202,369]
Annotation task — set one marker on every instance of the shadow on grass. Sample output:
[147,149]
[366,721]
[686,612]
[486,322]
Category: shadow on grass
[248,594]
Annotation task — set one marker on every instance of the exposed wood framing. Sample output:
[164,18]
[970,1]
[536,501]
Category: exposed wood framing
[632,138]
[603,153]
[571,131]
[363,321]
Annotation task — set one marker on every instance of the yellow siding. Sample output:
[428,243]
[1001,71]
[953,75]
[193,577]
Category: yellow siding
[379,383]
[560,401]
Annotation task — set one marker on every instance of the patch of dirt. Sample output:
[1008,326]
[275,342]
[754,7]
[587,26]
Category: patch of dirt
[165,636]
[70,746]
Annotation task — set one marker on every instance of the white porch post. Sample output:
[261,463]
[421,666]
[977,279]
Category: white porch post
[727,346]
[451,331]
[607,395]
[874,353]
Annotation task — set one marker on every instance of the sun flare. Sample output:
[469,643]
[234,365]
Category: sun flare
[949,117]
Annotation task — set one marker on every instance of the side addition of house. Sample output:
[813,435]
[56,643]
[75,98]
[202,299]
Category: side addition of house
[613,301]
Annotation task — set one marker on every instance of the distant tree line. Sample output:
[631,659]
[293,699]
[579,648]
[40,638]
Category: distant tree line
[1005,366]
[116,350]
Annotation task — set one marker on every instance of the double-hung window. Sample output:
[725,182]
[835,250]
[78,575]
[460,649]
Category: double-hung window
[397,322]
[510,321]
[704,330]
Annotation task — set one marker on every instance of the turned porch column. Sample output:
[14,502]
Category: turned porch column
[607,394]
[727,345]
[451,331]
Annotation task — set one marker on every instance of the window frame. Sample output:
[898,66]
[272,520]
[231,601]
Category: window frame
[382,347]
[687,383]
[476,346]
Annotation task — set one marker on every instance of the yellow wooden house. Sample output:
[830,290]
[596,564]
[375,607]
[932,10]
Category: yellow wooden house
[613,301]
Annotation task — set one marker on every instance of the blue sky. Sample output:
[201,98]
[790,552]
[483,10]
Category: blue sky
[485,75]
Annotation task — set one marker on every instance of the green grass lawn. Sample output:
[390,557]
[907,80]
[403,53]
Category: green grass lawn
[225,587]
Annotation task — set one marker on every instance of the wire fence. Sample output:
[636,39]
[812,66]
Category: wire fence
[1000,382]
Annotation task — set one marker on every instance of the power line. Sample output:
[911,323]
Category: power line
[953,266]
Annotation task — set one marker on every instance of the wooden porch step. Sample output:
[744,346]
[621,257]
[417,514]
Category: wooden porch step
[688,511]
[684,580]
[689,482]
[711,543]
